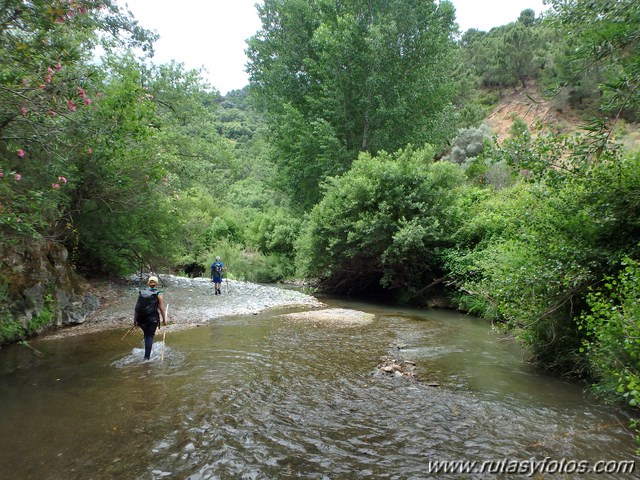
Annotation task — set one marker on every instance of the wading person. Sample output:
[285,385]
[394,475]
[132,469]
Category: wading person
[149,307]
[217,268]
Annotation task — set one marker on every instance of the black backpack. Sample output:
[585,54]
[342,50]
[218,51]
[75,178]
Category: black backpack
[147,304]
[217,268]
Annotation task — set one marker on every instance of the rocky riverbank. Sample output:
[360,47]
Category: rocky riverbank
[191,301]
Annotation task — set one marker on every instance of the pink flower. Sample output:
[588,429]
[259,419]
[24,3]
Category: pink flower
[89,150]
[87,101]
[1,174]
[20,152]
[24,111]
[18,177]
[55,185]
[71,105]
[82,92]
[59,66]
[62,179]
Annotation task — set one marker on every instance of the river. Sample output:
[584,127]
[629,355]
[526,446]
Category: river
[260,397]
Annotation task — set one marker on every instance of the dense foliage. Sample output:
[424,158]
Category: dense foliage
[46,83]
[338,78]
[132,165]
[612,331]
[384,223]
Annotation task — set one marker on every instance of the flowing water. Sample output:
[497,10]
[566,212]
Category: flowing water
[261,397]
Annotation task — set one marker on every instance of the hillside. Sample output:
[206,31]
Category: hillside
[536,111]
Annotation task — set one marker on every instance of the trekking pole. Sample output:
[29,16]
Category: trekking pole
[128,332]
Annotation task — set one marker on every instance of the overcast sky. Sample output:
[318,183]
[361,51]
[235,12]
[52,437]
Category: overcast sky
[212,33]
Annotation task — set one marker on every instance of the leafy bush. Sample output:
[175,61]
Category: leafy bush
[275,232]
[386,222]
[612,343]
[252,266]
[469,143]
[532,251]
[10,330]
[613,334]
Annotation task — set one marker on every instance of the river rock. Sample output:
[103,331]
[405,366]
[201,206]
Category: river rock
[397,368]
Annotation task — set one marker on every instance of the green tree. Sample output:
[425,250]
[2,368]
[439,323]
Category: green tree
[507,56]
[516,58]
[532,252]
[385,222]
[337,79]
[46,81]
[604,46]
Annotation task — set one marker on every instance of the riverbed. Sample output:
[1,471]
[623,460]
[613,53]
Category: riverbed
[264,394]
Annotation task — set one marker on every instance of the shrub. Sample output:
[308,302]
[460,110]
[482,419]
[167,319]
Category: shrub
[384,223]
[469,143]
[613,334]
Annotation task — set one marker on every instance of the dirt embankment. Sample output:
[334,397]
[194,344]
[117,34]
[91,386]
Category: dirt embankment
[528,105]
[543,114]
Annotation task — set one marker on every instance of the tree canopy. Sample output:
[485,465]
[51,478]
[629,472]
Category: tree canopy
[336,79]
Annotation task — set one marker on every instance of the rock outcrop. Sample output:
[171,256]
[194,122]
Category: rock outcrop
[39,289]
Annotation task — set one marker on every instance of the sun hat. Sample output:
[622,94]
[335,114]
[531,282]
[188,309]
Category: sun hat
[153,279]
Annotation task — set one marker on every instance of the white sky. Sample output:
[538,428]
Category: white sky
[212,33]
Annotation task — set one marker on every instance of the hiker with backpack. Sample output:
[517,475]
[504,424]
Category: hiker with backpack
[217,268]
[149,307]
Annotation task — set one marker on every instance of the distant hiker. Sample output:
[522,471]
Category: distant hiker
[149,307]
[217,268]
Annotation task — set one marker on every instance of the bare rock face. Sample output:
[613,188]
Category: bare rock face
[40,289]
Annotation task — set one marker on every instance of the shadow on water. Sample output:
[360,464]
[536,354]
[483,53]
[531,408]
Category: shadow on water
[262,397]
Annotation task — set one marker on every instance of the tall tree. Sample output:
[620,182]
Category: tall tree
[46,80]
[337,78]
[606,47]
[506,56]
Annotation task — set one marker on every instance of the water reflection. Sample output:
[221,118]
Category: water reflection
[259,397]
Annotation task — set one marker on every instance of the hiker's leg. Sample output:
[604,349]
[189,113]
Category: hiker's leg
[148,344]
[149,332]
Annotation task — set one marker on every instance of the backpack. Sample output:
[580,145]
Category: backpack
[147,303]
[217,268]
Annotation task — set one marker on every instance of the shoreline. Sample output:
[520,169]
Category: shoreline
[191,303]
